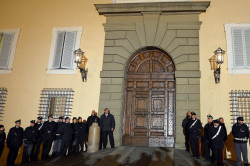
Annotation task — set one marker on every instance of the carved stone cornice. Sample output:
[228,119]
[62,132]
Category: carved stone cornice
[162,7]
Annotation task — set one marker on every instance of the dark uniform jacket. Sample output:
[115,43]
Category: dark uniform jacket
[207,127]
[80,130]
[91,119]
[67,132]
[184,125]
[107,123]
[39,131]
[218,141]
[240,131]
[15,137]
[225,130]
[2,138]
[194,128]
[48,130]
[59,130]
[30,135]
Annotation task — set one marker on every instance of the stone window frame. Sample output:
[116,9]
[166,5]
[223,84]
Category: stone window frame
[50,69]
[228,29]
[146,1]
[13,49]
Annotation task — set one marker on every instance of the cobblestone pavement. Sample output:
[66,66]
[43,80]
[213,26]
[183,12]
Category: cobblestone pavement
[128,156]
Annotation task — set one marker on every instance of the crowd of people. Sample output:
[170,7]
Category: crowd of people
[66,137]
[215,135]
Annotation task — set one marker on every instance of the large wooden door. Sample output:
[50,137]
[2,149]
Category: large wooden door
[149,115]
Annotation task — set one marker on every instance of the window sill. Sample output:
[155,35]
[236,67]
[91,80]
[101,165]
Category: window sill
[7,71]
[61,71]
[239,71]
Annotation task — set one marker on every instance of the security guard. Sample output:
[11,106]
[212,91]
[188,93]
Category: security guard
[66,136]
[241,134]
[30,135]
[14,142]
[48,131]
[185,129]
[208,142]
[58,138]
[194,127]
[2,139]
[39,138]
[216,135]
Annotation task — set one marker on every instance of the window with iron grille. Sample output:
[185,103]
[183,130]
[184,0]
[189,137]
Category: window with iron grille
[240,105]
[3,93]
[57,102]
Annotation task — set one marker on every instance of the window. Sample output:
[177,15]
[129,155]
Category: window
[240,105]
[138,1]
[57,102]
[65,41]
[238,48]
[8,42]
[3,93]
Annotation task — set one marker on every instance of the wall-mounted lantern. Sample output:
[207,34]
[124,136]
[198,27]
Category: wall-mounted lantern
[81,62]
[215,62]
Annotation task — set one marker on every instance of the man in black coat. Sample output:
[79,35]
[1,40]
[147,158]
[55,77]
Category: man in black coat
[185,129]
[29,138]
[222,124]
[216,135]
[2,139]
[91,119]
[14,142]
[39,138]
[240,132]
[81,130]
[107,124]
[66,136]
[48,131]
[194,127]
[58,138]
[208,142]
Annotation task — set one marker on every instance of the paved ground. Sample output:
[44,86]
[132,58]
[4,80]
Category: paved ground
[128,156]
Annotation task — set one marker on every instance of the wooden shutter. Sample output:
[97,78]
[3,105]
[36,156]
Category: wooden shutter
[58,50]
[6,50]
[68,50]
[238,47]
[247,46]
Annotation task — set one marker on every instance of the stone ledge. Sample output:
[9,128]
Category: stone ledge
[152,7]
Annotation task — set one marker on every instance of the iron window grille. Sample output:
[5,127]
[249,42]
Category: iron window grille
[3,94]
[56,101]
[240,105]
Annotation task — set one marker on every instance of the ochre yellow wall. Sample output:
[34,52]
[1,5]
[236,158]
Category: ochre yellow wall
[37,18]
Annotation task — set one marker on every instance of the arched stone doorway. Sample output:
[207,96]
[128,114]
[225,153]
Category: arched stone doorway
[149,115]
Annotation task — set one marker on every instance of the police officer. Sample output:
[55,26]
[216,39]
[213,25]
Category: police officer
[14,142]
[66,136]
[39,138]
[72,148]
[216,135]
[222,124]
[29,136]
[240,132]
[2,139]
[194,127]
[80,135]
[185,129]
[58,138]
[48,131]
[208,142]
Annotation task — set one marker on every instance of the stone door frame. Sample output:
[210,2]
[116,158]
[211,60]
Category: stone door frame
[170,26]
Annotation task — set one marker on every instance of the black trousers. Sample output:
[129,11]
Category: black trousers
[105,135]
[1,150]
[64,147]
[13,151]
[36,149]
[208,149]
[218,153]
[195,146]
[47,143]
[187,142]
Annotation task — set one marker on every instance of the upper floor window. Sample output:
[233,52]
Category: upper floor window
[3,93]
[57,102]
[238,48]
[8,42]
[64,42]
